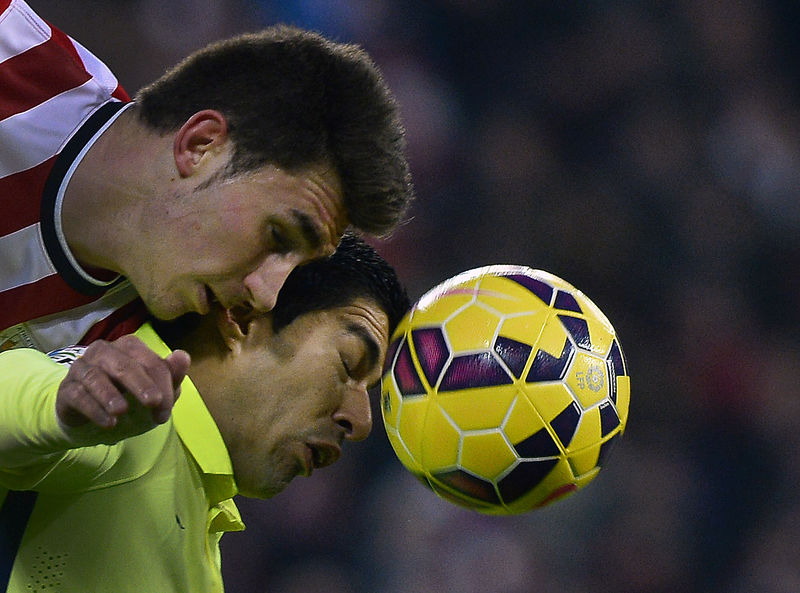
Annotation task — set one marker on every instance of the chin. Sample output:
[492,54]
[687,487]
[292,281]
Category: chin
[262,491]
[158,310]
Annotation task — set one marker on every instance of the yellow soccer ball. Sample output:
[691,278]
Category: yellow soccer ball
[504,389]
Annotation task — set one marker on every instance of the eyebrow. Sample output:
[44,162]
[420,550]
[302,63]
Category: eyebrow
[373,350]
[308,228]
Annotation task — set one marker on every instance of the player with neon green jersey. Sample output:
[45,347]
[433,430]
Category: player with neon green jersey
[134,494]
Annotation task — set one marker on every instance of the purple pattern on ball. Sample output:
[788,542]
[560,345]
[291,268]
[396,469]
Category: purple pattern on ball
[578,329]
[566,423]
[390,352]
[617,360]
[408,381]
[474,370]
[612,381]
[540,289]
[539,444]
[608,418]
[547,367]
[432,351]
[524,478]
[469,485]
[566,302]
[514,354]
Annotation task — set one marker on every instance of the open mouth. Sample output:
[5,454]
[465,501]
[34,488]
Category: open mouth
[242,315]
[317,457]
[210,296]
[307,467]
[324,454]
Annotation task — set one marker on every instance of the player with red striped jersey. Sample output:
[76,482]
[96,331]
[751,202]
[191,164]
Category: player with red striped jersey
[247,159]
[49,87]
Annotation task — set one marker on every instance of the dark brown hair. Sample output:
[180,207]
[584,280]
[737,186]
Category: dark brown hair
[295,99]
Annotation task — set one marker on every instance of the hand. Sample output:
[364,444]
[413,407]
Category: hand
[122,387]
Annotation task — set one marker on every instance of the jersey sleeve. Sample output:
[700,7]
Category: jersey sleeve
[32,443]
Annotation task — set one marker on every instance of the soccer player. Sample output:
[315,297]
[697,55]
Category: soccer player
[140,505]
[247,159]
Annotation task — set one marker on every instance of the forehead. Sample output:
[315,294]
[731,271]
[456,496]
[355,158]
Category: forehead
[366,319]
[363,319]
[369,312]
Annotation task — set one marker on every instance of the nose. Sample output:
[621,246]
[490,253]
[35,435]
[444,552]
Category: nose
[355,414]
[264,282]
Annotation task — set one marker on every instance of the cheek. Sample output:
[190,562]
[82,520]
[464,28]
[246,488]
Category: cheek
[207,230]
[238,213]
[266,462]
[239,244]
[263,393]
[324,396]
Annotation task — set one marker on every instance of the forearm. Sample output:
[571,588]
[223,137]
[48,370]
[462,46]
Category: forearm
[29,383]
[31,440]
[58,423]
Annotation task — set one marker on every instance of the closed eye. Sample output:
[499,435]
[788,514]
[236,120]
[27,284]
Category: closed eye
[346,368]
[281,243]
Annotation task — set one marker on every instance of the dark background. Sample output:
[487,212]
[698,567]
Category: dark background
[648,153]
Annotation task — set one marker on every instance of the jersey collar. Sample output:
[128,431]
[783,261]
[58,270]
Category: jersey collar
[63,168]
[197,429]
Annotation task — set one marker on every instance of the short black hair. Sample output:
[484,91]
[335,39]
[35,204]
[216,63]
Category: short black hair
[296,100]
[354,270]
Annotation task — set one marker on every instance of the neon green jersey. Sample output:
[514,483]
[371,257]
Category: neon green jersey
[144,515]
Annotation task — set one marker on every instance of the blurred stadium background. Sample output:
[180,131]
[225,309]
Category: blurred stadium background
[649,153]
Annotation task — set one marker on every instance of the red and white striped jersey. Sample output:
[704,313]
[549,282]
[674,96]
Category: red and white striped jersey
[56,99]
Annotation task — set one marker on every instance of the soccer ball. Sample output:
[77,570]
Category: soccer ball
[504,389]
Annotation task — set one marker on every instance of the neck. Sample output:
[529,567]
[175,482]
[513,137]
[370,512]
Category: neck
[103,204]
[199,336]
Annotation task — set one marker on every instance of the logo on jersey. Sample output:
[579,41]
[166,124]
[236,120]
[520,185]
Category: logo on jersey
[67,355]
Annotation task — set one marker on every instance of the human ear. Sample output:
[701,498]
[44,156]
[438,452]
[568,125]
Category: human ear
[238,325]
[232,329]
[203,133]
